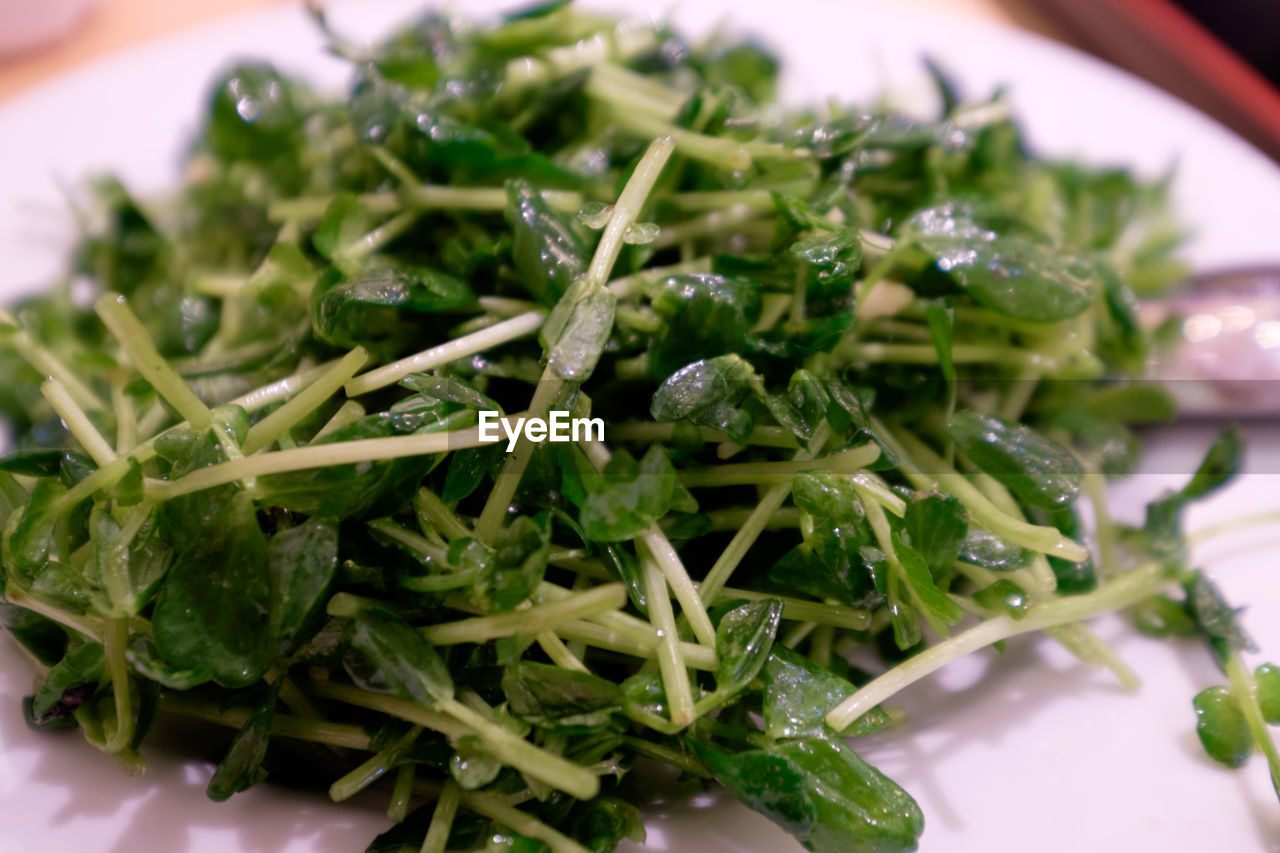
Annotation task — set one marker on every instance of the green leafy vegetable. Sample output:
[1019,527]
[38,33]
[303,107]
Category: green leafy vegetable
[854,370]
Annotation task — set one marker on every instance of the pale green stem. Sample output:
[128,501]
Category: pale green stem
[315,456]
[519,326]
[77,422]
[671,662]
[283,725]
[126,418]
[348,413]
[46,363]
[1244,687]
[538,618]
[442,818]
[960,354]
[266,431]
[608,638]
[531,760]
[133,338]
[1271,516]
[914,454]
[559,653]
[625,212]
[372,768]
[401,793]
[410,712]
[1118,594]
[115,637]
[779,473]
[495,808]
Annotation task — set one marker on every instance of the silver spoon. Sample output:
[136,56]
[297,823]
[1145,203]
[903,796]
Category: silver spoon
[1227,361]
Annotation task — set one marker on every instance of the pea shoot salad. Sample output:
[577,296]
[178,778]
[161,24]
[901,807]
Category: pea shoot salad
[856,371]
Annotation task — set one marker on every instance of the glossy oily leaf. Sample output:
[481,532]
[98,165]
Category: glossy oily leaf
[242,766]
[582,341]
[744,638]
[708,392]
[70,682]
[1222,728]
[821,792]
[1267,678]
[211,612]
[628,496]
[798,695]
[302,562]
[405,662]
[1006,273]
[936,526]
[145,659]
[707,315]
[1036,469]
[367,310]
[548,253]
[559,699]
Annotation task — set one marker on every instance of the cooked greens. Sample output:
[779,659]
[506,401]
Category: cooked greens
[857,370]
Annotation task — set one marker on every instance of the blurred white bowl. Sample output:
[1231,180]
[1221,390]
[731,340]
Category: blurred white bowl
[26,24]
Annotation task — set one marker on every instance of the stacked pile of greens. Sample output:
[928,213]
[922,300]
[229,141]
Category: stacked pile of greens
[856,371]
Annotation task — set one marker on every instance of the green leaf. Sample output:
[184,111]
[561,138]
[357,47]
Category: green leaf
[211,612]
[707,314]
[302,562]
[1219,467]
[827,497]
[145,659]
[1036,469]
[375,308]
[404,662]
[558,699]
[1163,524]
[1099,437]
[936,526]
[834,562]
[1217,621]
[254,114]
[547,251]
[708,392]
[942,325]
[626,497]
[821,792]
[519,560]
[798,695]
[241,768]
[606,822]
[29,535]
[1006,273]
[1221,725]
[358,489]
[137,555]
[345,220]
[744,638]
[832,257]
[939,609]
[1267,677]
[580,344]
[69,682]
[70,467]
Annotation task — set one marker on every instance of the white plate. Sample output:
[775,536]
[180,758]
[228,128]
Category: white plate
[1041,753]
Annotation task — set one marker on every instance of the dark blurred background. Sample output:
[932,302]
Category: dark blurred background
[1250,27]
